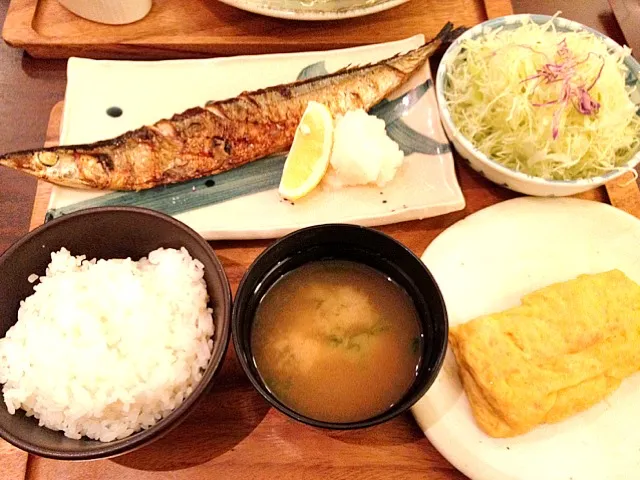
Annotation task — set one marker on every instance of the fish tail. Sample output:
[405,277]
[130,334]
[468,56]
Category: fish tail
[448,34]
[408,63]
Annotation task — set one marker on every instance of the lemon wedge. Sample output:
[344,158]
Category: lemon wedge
[308,158]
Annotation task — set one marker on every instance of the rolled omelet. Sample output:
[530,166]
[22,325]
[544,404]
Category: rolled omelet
[564,349]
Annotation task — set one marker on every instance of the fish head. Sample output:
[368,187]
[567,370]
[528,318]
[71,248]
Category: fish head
[63,167]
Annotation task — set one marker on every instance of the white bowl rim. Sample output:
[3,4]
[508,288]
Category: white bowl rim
[478,30]
[313,14]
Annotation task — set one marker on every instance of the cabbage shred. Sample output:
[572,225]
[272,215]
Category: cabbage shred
[545,103]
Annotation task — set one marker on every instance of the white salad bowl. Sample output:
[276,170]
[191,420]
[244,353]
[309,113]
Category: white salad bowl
[491,169]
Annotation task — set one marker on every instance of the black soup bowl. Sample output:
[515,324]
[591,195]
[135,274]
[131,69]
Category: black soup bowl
[106,232]
[357,244]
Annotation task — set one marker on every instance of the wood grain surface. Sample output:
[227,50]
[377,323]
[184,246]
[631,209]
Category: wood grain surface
[28,90]
[233,434]
[625,194]
[43,189]
[196,28]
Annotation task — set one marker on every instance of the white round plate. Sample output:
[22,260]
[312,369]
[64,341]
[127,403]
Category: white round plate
[314,9]
[486,263]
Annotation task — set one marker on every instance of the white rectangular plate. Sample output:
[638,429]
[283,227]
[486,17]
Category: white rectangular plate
[425,186]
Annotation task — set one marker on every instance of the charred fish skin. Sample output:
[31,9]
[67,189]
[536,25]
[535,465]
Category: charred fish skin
[224,134]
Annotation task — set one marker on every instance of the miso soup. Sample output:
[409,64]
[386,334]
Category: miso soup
[337,341]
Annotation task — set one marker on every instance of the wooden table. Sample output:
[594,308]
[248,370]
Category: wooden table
[236,434]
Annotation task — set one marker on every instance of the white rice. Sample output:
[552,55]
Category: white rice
[362,152]
[104,349]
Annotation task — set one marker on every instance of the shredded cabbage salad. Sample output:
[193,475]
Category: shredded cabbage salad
[546,103]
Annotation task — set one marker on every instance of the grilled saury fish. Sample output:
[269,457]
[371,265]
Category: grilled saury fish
[222,135]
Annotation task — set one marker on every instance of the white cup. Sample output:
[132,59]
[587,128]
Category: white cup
[112,12]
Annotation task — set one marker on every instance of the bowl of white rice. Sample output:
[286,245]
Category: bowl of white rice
[113,324]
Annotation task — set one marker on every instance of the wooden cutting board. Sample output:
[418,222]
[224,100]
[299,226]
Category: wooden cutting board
[397,441]
[251,442]
[204,28]
[411,448]
[13,462]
